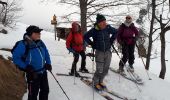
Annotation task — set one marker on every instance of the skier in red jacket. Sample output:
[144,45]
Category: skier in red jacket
[75,44]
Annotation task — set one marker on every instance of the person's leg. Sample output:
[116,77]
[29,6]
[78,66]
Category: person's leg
[107,61]
[99,58]
[74,64]
[33,87]
[131,55]
[124,58]
[44,87]
[83,60]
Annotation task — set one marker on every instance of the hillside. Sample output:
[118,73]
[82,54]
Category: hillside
[12,83]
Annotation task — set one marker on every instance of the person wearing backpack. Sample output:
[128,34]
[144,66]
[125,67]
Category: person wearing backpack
[127,35]
[31,56]
[103,36]
[75,44]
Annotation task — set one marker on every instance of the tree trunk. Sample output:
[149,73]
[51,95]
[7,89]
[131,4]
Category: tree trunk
[162,38]
[150,35]
[83,12]
[163,64]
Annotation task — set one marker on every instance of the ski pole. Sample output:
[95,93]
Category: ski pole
[118,56]
[143,63]
[93,70]
[126,68]
[74,77]
[59,85]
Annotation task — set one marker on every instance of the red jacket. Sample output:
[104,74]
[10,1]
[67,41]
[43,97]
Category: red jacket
[75,41]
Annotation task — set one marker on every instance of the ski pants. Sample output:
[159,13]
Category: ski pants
[103,60]
[38,85]
[128,54]
[76,58]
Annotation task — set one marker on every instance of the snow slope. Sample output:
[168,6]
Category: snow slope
[155,89]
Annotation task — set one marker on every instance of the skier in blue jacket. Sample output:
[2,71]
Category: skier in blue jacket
[31,56]
[103,36]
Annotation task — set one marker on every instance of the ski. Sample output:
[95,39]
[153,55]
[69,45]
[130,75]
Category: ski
[61,74]
[89,83]
[136,76]
[85,72]
[140,82]
[115,94]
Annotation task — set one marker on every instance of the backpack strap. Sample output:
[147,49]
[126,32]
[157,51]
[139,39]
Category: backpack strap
[26,50]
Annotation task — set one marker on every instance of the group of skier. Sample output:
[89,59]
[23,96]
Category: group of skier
[31,54]
[103,36]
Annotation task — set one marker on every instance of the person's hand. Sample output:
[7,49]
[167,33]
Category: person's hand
[48,67]
[31,75]
[92,45]
[71,50]
[29,69]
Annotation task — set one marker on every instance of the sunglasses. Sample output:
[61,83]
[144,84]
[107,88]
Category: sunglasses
[128,17]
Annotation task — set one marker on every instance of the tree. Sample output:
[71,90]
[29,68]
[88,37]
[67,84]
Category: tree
[8,13]
[164,27]
[89,8]
[157,18]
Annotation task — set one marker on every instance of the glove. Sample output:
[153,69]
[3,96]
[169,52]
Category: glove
[111,42]
[31,75]
[48,67]
[92,44]
[71,50]
[29,69]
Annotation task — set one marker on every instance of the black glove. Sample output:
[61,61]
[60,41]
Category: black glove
[31,75]
[92,44]
[48,67]
[29,69]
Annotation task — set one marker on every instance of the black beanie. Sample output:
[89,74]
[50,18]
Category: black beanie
[32,29]
[100,18]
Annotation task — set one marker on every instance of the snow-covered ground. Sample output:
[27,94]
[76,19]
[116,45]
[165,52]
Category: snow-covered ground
[155,89]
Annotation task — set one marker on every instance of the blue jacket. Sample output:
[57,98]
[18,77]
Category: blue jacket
[101,38]
[37,55]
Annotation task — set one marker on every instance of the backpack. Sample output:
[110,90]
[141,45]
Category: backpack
[26,49]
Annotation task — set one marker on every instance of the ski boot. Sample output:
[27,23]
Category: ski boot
[76,74]
[83,70]
[121,72]
[98,87]
[131,69]
[103,86]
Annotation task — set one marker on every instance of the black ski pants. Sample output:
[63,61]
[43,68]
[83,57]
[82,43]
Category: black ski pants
[76,58]
[38,85]
[128,55]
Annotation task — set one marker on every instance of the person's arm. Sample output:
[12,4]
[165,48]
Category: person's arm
[113,32]
[68,40]
[18,54]
[136,31]
[47,55]
[88,35]
[119,34]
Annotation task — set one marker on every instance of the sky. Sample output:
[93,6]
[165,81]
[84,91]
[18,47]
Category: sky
[38,13]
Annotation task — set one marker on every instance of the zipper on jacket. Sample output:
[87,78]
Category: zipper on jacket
[30,58]
[103,41]
[40,55]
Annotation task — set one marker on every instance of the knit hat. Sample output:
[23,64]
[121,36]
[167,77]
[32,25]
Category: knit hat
[32,29]
[75,27]
[100,18]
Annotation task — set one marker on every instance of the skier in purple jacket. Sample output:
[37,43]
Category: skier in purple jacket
[127,35]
